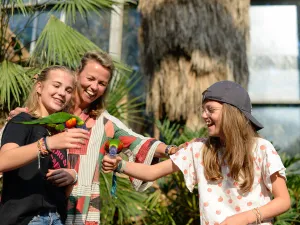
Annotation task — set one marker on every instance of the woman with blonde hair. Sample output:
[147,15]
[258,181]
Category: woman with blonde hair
[29,154]
[240,177]
[94,74]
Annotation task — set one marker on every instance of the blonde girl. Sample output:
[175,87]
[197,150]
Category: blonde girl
[28,153]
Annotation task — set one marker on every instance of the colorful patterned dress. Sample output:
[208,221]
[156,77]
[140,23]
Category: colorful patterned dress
[84,201]
[218,200]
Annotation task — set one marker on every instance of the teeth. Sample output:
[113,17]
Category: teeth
[90,93]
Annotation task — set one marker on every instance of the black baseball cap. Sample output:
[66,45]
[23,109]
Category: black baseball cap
[234,94]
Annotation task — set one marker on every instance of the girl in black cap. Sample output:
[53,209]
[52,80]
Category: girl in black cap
[240,177]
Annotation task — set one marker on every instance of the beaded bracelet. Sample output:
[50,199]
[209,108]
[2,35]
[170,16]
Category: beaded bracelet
[121,166]
[42,147]
[168,148]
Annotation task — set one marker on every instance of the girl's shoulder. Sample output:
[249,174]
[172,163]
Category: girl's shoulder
[263,144]
[194,146]
[22,117]
[264,148]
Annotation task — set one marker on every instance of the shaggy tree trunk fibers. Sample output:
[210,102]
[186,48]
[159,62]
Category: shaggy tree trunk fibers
[187,45]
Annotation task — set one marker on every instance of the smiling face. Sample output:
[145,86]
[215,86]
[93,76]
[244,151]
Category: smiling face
[55,92]
[92,81]
[212,116]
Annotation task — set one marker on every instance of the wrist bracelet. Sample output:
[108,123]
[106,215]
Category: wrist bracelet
[76,177]
[41,147]
[257,213]
[45,142]
[167,150]
[121,166]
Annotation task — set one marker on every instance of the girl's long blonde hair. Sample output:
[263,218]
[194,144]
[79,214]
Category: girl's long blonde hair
[104,59]
[32,102]
[236,151]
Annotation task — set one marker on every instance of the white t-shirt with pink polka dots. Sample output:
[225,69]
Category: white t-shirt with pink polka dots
[218,200]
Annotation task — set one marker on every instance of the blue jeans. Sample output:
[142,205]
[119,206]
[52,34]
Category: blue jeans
[46,218]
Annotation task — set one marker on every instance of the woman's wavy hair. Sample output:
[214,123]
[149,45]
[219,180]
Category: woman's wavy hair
[32,102]
[104,59]
[237,153]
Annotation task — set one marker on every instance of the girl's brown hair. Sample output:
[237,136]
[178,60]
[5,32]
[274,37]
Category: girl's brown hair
[32,102]
[104,59]
[239,139]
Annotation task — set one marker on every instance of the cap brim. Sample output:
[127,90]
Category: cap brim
[256,124]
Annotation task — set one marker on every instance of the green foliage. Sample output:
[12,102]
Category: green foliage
[172,203]
[126,207]
[292,165]
[118,103]
[58,43]
[14,83]
[172,133]
[70,8]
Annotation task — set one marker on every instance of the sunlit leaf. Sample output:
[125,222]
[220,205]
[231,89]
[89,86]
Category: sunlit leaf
[14,83]
[60,44]
[84,7]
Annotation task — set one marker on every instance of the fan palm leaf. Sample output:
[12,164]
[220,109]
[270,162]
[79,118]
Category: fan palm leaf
[120,89]
[14,83]
[83,7]
[61,44]
[12,5]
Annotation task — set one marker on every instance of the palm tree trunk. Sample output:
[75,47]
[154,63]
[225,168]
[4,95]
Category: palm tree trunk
[186,46]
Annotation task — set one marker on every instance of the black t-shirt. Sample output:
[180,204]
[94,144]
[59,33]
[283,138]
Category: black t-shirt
[26,191]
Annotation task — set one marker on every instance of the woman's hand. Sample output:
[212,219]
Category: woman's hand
[72,138]
[61,177]
[110,164]
[15,112]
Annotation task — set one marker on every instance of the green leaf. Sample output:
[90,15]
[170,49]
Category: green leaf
[61,44]
[14,82]
[119,103]
[84,7]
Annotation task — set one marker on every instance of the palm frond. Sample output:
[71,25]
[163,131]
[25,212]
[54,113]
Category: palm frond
[16,4]
[61,44]
[122,209]
[119,102]
[14,83]
[70,8]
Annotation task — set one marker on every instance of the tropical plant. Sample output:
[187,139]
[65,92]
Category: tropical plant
[292,165]
[57,44]
[170,202]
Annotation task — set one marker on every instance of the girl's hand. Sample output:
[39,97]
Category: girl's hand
[243,218]
[110,164]
[61,177]
[15,112]
[72,138]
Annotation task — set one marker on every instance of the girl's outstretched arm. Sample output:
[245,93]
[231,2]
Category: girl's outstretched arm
[138,170]
[13,156]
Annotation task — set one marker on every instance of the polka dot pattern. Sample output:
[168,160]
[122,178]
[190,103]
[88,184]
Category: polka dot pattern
[223,198]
